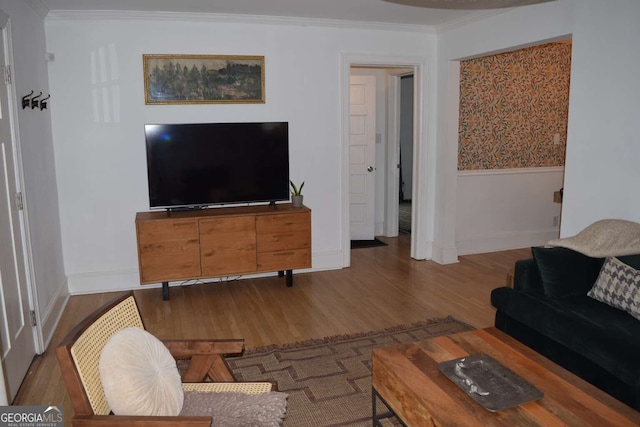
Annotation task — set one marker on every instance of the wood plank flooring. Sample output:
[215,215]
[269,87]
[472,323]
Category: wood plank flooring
[383,287]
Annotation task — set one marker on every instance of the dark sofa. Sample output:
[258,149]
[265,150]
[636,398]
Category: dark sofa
[548,309]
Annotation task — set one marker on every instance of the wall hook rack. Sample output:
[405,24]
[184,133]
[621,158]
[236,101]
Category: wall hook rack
[43,102]
[26,101]
[34,101]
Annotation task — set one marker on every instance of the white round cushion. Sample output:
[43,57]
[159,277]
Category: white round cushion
[139,376]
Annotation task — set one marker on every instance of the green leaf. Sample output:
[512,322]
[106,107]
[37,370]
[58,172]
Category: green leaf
[296,191]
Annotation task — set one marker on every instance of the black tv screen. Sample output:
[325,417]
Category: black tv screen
[195,165]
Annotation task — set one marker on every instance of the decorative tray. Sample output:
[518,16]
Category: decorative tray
[489,383]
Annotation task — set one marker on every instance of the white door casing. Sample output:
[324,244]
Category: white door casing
[16,333]
[362,156]
[424,171]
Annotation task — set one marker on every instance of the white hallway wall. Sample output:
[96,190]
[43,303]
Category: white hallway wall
[99,145]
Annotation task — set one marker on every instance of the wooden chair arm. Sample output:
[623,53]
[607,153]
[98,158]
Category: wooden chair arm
[136,421]
[206,357]
[181,349]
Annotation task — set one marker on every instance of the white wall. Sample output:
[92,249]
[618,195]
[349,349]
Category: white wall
[506,209]
[603,143]
[36,147]
[101,167]
[518,27]
[100,159]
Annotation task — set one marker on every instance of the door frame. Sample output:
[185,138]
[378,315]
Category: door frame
[421,197]
[392,180]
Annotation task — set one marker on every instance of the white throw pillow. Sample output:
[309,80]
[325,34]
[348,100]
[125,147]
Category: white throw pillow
[139,376]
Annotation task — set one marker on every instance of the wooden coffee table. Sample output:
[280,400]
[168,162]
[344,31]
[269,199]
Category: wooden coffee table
[407,379]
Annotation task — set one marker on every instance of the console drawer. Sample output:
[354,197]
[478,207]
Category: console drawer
[283,241]
[283,223]
[167,231]
[228,245]
[164,261]
[284,260]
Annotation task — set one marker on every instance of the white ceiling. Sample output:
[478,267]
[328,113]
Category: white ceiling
[388,11]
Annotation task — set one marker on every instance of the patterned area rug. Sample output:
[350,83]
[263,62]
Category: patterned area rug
[329,380]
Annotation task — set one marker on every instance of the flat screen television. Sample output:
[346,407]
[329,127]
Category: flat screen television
[204,164]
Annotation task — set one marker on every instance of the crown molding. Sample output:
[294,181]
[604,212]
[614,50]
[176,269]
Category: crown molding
[38,7]
[234,18]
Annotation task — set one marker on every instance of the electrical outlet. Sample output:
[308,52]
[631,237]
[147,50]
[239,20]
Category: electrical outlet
[556,139]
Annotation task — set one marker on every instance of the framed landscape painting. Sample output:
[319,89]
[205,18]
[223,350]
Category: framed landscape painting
[203,79]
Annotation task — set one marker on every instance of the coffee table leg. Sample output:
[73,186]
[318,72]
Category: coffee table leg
[375,416]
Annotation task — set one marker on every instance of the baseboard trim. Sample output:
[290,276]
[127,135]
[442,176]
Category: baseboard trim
[444,254]
[505,241]
[51,317]
[125,280]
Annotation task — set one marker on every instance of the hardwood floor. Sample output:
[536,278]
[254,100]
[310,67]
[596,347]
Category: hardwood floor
[384,287]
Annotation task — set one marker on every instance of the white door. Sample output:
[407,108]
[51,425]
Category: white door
[362,156]
[16,332]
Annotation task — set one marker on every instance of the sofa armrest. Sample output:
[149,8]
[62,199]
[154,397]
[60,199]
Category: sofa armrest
[526,276]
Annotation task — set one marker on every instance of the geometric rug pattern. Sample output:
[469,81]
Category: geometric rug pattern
[329,380]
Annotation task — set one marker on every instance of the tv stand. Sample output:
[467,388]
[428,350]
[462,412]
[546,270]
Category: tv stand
[208,243]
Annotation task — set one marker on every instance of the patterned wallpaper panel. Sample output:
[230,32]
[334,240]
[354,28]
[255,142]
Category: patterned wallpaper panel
[511,106]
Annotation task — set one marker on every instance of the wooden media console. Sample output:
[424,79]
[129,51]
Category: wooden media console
[219,242]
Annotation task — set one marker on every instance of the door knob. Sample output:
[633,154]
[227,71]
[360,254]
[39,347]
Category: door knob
[370,169]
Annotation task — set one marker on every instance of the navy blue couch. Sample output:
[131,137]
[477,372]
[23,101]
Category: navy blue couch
[598,343]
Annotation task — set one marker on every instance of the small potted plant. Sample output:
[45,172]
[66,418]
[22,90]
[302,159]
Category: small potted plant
[296,194]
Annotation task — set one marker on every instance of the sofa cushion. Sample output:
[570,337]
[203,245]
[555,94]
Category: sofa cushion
[618,285]
[526,276]
[565,272]
[604,335]
[631,260]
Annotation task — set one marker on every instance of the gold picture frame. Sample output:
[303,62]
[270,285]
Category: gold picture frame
[203,79]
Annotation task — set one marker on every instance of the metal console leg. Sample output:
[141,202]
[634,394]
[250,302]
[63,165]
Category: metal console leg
[165,291]
[289,278]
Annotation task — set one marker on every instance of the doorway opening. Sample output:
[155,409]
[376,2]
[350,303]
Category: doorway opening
[386,163]
[406,153]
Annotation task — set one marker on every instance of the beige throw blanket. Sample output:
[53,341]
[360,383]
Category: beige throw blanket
[605,238]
